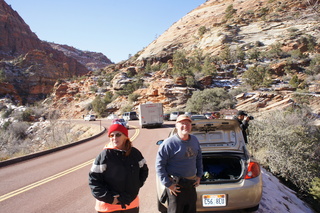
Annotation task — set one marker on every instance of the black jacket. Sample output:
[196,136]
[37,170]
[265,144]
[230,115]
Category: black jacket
[112,173]
[244,126]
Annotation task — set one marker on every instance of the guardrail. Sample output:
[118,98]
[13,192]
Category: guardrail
[38,154]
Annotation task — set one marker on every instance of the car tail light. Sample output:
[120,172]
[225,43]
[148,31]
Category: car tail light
[253,170]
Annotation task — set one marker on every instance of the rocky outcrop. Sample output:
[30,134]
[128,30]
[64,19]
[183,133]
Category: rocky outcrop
[30,65]
[253,21]
[255,24]
[91,60]
[16,37]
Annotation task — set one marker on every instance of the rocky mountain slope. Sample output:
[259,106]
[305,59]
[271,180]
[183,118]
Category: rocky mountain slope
[212,27]
[30,67]
[253,26]
[237,23]
[91,60]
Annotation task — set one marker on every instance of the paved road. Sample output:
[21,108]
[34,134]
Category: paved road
[58,182]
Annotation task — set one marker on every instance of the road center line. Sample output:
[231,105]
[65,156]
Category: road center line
[53,177]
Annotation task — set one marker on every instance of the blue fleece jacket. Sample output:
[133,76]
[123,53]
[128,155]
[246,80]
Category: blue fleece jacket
[179,158]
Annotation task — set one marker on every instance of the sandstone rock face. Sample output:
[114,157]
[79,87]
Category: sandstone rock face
[31,66]
[9,90]
[42,67]
[244,28]
[16,37]
[91,60]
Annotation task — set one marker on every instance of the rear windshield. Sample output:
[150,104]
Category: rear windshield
[216,138]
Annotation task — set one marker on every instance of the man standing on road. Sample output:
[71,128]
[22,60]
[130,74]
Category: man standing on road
[179,166]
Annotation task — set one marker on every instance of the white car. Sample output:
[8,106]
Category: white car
[198,117]
[90,118]
[112,116]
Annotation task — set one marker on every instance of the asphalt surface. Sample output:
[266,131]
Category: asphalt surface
[58,181]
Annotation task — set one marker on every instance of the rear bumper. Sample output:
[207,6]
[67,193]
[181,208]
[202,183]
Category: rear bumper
[151,125]
[241,195]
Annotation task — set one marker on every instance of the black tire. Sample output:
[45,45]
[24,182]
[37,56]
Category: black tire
[252,209]
[161,207]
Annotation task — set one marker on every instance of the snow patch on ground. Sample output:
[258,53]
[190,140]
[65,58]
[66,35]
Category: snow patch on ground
[278,198]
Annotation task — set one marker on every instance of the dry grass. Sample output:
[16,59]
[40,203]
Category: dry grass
[88,130]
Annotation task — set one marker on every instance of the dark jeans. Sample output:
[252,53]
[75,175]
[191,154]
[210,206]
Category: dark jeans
[134,210]
[185,201]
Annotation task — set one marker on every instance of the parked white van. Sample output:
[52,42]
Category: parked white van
[174,115]
[128,116]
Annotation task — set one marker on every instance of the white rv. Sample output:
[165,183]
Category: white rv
[151,115]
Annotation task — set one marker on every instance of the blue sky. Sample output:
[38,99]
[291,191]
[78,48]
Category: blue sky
[115,28]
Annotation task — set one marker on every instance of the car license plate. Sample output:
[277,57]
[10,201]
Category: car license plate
[214,200]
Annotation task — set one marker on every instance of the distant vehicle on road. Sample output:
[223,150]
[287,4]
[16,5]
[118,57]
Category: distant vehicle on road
[90,118]
[128,116]
[112,116]
[121,121]
[174,115]
[151,115]
[198,117]
[166,116]
[190,113]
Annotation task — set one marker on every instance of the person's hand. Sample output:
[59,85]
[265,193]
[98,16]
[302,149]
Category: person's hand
[115,200]
[197,183]
[174,189]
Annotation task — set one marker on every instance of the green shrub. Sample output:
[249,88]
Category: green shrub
[18,130]
[257,77]
[108,98]
[209,100]
[202,30]
[133,97]
[315,188]
[275,52]
[2,75]
[6,125]
[297,54]
[310,41]
[99,106]
[127,108]
[288,143]
[129,88]
[7,113]
[294,81]
[229,12]
[181,64]
[226,55]
[314,67]
[254,54]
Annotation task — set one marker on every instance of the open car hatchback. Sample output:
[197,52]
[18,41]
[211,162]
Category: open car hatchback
[231,179]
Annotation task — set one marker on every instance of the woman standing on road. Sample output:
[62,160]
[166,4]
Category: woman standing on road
[117,174]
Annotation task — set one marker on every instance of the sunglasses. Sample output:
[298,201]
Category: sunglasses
[117,135]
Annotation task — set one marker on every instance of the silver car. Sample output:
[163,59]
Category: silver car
[90,118]
[232,180]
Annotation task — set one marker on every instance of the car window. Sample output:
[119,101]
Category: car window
[217,138]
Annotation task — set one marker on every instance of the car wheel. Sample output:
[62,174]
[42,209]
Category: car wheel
[161,207]
[252,209]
